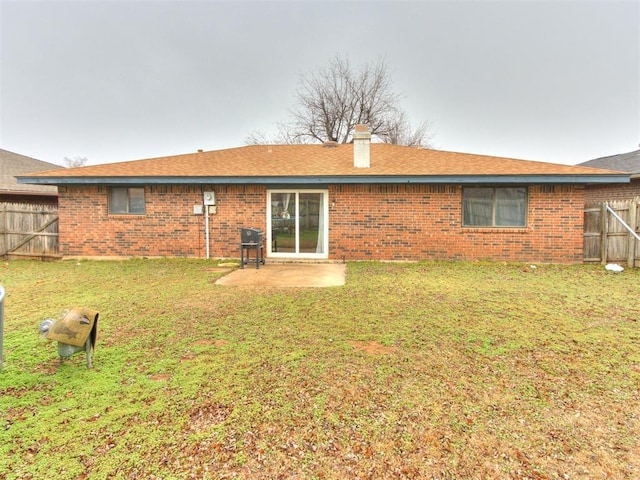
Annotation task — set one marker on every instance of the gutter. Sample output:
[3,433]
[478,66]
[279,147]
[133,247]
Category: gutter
[332,180]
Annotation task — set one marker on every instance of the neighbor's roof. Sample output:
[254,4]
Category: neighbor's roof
[319,164]
[13,164]
[624,162]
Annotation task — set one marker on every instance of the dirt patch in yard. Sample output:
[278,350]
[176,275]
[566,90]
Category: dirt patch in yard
[205,416]
[215,343]
[372,347]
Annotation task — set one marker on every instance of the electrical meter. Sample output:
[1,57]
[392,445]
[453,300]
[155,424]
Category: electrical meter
[209,198]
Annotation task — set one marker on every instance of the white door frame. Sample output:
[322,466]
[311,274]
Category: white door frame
[325,222]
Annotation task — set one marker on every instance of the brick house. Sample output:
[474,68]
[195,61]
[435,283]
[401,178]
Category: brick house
[356,201]
[624,162]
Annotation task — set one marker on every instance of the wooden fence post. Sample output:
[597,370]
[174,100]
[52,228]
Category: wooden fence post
[4,241]
[2,294]
[631,246]
[605,232]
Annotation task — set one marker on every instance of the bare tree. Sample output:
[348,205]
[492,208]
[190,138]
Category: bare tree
[75,162]
[332,100]
[260,137]
[400,132]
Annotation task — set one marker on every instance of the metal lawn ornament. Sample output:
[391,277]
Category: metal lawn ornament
[76,330]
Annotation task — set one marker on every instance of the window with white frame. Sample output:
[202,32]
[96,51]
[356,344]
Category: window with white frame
[126,200]
[494,206]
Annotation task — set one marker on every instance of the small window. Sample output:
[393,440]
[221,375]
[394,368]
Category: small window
[126,200]
[494,207]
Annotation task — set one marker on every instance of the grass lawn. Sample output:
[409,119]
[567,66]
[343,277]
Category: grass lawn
[418,370]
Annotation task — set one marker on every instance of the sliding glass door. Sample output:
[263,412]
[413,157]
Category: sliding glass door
[297,222]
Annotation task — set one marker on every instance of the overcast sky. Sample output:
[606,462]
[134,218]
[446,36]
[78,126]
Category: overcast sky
[111,80]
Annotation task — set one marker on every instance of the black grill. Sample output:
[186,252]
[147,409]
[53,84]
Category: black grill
[251,239]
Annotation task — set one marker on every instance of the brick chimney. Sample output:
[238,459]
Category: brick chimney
[361,142]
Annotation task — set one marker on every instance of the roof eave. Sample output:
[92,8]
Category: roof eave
[31,193]
[339,179]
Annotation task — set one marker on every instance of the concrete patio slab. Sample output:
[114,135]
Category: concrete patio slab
[288,275]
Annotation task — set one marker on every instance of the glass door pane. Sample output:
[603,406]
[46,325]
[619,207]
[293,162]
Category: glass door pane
[310,231]
[283,222]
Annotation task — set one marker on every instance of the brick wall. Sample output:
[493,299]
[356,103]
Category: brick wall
[168,228]
[608,193]
[376,222]
[414,222]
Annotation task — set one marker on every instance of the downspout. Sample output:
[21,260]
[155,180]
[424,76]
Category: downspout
[205,210]
[206,227]
[209,201]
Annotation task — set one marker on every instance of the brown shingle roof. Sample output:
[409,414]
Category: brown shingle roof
[318,160]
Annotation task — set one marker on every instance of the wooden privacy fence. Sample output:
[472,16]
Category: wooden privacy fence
[29,230]
[607,236]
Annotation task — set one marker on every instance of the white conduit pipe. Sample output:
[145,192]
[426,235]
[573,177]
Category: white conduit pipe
[206,223]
